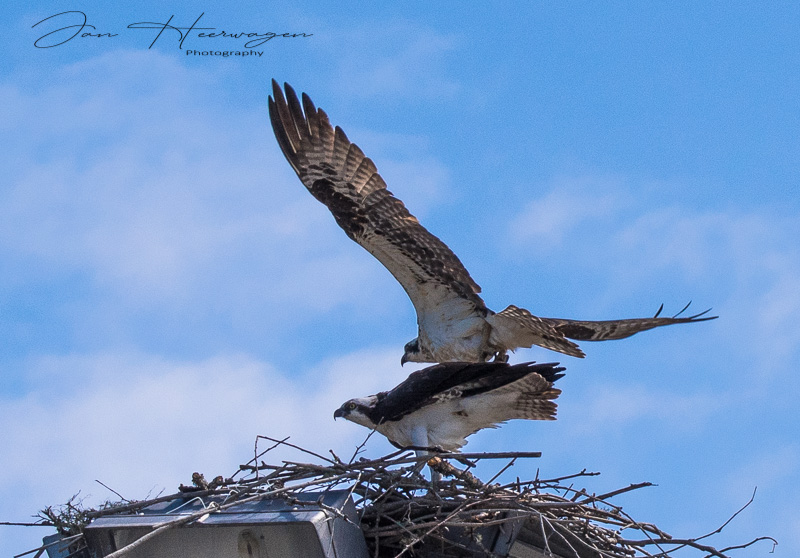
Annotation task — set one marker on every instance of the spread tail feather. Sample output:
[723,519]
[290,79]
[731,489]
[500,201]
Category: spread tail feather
[534,395]
[515,328]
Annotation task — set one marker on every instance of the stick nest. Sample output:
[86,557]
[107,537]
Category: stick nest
[403,513]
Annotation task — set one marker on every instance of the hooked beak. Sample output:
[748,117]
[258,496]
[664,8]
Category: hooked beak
[403,359]
[338,413]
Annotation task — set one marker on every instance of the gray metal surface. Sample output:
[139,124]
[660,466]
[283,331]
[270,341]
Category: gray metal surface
[270,528]
[55,546]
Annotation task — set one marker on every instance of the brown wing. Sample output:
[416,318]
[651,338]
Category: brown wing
[620,329]
[516,327]
[339,175]
[534,400]
[455,380]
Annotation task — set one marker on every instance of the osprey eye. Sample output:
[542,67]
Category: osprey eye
[431,261]
[351,406]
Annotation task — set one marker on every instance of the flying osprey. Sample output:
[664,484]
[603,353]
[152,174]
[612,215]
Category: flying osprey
[454,323]
[437,407]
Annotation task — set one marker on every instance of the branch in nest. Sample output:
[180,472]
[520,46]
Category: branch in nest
[401,512]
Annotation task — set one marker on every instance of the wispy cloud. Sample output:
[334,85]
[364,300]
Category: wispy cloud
[772,468]
[397,60]
[119,182]
[545,224]
[140,422]
[614,407]
[741,260]
[165,199]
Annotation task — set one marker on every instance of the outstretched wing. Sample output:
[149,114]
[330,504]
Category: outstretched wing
[620,329]
[516,327]
[457,380]
[339,175]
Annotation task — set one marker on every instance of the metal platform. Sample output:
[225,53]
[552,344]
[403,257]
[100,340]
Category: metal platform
[269,528]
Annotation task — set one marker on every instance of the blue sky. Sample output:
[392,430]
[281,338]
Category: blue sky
[169,290]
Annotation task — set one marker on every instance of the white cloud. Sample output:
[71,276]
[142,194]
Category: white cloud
[544,224]
[772,468]
[742,263]
[161,196]
[166,197]
[394,60]
[141,422]
[744,259]
[128,182]
[619,406]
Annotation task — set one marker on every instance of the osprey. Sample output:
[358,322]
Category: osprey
[437,407]
[454,323]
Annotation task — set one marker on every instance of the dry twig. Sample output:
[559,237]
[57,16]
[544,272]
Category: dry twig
[402,513]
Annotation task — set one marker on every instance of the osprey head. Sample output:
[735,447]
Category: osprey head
[414,353]
[358,410]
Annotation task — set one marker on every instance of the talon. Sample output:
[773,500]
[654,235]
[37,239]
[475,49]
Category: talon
[434,461]
[501,357]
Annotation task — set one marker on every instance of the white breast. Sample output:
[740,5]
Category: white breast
[453,331]
[443,425]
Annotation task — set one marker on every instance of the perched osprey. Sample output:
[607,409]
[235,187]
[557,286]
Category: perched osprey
[454,323]
[439,406]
